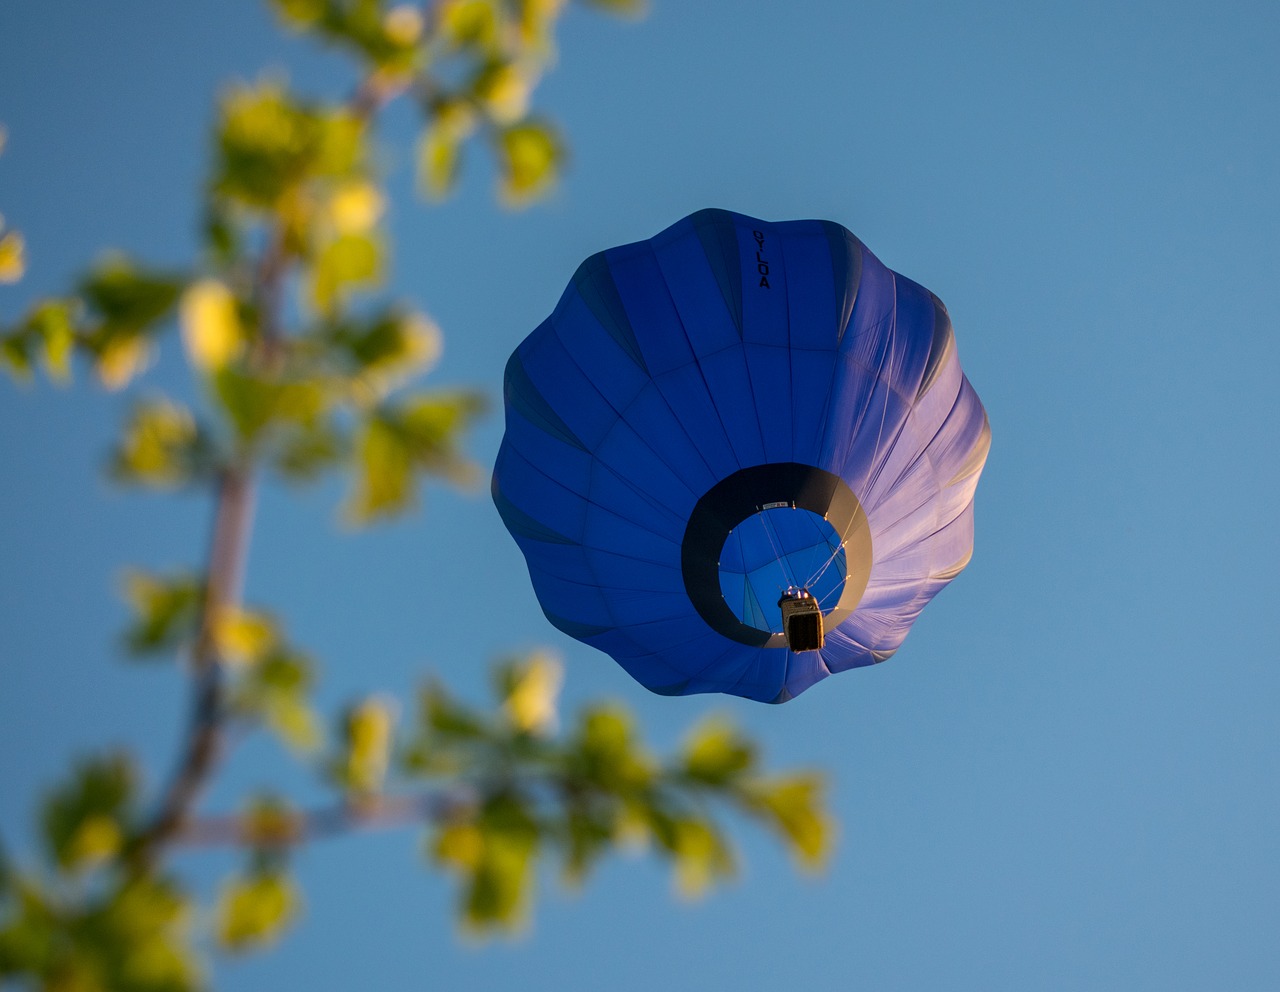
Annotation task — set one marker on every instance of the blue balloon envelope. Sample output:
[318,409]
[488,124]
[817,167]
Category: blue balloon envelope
[720,417]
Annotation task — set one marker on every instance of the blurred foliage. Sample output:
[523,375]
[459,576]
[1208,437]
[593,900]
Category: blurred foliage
[255,908]
[13,249]
[594,788]
[297,371]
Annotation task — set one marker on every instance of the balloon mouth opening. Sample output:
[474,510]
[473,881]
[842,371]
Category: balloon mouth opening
[775,555]
[771,528]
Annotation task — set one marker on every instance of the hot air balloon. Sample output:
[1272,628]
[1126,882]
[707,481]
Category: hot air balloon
[740,456]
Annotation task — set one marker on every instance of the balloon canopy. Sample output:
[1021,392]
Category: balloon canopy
[727,419]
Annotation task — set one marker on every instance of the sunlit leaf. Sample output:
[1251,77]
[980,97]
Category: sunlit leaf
[51,321]
[403,24]
[210,321]
[123,358]
[606,753]
[384,473]
[418,435]
[252,403]
[83,820]
[356,206]
[347,263]
[504,90]
[254,910]
[716,752]
[266,143]
[165,609]
[440,149]
[128,299]
[299,13]
[13,258]
[366,737]
[794,806]
[445,717]
[493,853]
[529,155]
[243,637]
[469,22]
[162,446]
[530,698]
[700,853]
[277,691]
[303,453]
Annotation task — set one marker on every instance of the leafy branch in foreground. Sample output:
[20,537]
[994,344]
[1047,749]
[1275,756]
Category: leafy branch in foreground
[300,374]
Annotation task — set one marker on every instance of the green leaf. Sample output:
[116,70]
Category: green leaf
[255,910]
[418,435]
[605,754]
[385,349]
[493,852]
[794,806]
[308,450]
[366,738]
[166,610]
[529,689]
[52,323]
[126,306]
[253,403]
[530,156]
[347,263]
[716,753]
[699,851]
[299,13]
[267,145]
[13,259]
[86,820]
[440,148]
[586,836]
[384,473]
[469,23]
[162,447]
[16,352]
[445,717]
[277,691]
[503,88]
[128,299]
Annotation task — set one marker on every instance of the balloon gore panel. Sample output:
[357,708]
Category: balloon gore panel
[728,414]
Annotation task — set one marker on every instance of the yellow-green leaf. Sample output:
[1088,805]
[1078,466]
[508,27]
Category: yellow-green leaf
[211,329]
[384,474]
[83,819]
[162,446]
[121,359]
[504,90]
[367,729]
[347,263]
[254,911]
[794,805]
[355,207]
[716,752]
[403,24]
[13,258]
[529,155]
[244,637]
[530,704]
[165,610]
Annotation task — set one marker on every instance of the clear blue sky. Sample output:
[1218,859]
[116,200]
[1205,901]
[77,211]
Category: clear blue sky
[1066,779]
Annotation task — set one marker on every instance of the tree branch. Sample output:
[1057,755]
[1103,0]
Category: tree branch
[228,550]
[295,827]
